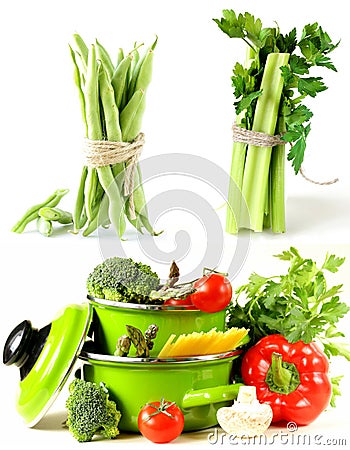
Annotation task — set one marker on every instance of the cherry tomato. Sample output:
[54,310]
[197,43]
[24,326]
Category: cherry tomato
[186,302]
[213,293]
[161,422]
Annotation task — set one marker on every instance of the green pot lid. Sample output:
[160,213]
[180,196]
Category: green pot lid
[46,358]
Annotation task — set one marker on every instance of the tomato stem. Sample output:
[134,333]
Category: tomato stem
[161,409]
[207,271]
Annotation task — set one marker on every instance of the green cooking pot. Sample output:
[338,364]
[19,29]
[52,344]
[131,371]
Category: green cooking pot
[199,385]
[110,319]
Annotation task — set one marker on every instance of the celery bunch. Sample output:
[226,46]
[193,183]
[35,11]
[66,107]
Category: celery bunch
[269,89]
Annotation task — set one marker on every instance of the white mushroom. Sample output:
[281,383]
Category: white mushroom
[246,417]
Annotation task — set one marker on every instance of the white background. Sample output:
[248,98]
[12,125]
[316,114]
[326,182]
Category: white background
[189,111]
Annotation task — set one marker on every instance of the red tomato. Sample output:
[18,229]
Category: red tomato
[161,422]
[213,293]
[186,302]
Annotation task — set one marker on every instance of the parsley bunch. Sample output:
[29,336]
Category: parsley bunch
[293,121]
[297,304]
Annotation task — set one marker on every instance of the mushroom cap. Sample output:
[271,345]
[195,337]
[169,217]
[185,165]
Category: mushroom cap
[245,420]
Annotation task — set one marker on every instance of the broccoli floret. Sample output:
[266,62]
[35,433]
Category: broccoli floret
[90,411]
[122,280]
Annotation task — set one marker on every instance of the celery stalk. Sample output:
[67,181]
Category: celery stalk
[239,151]
[256,172]
[235,187]
[277,195]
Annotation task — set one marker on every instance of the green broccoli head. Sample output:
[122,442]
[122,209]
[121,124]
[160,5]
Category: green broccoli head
[122,280]
[90,411]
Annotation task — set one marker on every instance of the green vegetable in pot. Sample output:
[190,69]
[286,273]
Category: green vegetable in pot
[150,335]
[123,346]
[90,411]
[143,343]
[139,341]
[122,280]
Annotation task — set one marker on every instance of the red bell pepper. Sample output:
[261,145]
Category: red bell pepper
[291,378]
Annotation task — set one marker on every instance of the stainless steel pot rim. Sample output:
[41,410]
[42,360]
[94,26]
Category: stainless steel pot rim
[138,306]
[101,358]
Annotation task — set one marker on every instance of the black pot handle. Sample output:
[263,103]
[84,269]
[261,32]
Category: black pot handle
[17,346]
[24,345]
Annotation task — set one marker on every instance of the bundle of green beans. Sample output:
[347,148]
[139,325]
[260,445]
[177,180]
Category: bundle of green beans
[112,98]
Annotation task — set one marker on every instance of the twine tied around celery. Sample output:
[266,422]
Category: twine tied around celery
[259,139]
[103,153]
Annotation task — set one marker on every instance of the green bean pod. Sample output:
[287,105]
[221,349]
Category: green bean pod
[104,57]
[136,58]
[144,76]
[142,73]
[120,56]
[120,80]
[56,215]
[78,82]
[101,216]
[94,209]
[135,222]
[113,132]
[44,226]
[33,212]
[79,202]
[131,116]
[140,203]
[110,110]
[90,190]
[82,47]
[93,125]
[116,210]
[92,97]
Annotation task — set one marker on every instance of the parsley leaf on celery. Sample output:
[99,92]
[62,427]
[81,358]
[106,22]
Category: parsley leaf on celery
[297,135]
[315,44]
[311,86]
[288,42]
[297,304]
[299,65]
[243,26]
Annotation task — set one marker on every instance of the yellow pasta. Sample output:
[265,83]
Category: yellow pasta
[196,344]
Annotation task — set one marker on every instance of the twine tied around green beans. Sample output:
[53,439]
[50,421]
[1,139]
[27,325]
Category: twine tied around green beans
[260,139]
[101,153]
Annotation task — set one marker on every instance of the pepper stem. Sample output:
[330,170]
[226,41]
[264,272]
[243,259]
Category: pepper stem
[282,377]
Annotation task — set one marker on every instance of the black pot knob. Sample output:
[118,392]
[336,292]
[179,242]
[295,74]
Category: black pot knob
[24,345]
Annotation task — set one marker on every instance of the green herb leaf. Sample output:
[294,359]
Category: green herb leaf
[332,263]
[287,43]
[297,303]
[311,86]
[334,348]
[335,382]
[299,65]
[246,101]
[298,116]
[296,153]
